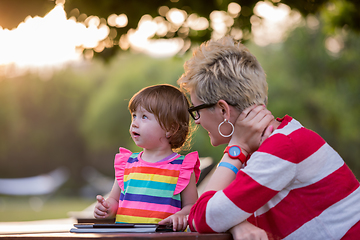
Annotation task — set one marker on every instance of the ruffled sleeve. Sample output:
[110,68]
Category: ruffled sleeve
[191,164]
[119,165]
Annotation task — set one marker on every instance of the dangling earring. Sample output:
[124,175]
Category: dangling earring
[232,126]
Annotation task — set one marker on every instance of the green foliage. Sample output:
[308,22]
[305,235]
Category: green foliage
[340,13]
[80,117]
[34,114]
[337,14]
[317,88]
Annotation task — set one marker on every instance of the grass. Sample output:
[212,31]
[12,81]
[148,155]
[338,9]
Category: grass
[14,209]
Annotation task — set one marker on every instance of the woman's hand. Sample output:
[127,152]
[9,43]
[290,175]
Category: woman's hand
[247,231]
[252,128]
[178,221]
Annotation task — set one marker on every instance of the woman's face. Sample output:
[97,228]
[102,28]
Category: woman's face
[210,118]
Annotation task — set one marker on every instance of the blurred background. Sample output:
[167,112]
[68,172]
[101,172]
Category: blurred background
[68,69]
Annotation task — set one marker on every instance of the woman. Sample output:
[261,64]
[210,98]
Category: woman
[275,174]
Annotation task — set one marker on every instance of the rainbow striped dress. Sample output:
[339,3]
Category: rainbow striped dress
[150,192]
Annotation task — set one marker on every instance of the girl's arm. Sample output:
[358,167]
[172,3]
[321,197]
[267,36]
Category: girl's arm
[108,208]
[188,197]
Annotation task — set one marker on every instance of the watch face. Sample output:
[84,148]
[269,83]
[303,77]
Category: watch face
[234,151]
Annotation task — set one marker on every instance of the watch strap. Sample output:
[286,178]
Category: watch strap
[240,157]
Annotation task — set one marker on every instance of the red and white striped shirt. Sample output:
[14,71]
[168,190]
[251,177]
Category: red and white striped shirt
[295,186]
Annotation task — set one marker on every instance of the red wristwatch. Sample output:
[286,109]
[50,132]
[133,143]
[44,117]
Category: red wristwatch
[235,152]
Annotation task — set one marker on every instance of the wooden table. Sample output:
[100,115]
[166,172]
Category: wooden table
[127,236]
[59,229]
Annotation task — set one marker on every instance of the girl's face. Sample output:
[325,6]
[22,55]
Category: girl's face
[146,131]
[210,119]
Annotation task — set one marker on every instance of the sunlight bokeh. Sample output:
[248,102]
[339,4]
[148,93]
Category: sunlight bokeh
[48,41]
[270,24]
[140,39]
[53,41]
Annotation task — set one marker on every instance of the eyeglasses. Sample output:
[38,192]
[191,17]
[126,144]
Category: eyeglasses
[194,111]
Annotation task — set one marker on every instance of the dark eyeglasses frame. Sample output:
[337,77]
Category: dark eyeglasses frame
[193,109]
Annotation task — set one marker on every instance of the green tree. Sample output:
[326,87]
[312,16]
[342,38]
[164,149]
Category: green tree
[79,117]
[318,88]
[40,123]
[337,14]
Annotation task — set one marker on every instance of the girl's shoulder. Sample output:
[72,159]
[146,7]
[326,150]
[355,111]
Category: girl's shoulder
[188,161]
[190,164]
[124,159]
[123,155]
[193,156]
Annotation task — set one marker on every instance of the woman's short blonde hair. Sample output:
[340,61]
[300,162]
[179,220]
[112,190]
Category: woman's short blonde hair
[225,69]
[170,107]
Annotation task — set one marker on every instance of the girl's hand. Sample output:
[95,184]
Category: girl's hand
[101,208]
[251,128]
[178,221]
[247,231]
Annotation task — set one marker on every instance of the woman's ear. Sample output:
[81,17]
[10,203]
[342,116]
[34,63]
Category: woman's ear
[224,108]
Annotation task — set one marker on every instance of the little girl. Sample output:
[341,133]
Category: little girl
[156,185]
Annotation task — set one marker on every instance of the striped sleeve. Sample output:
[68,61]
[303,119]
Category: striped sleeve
[197,215]
[294,186]
[267,173]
